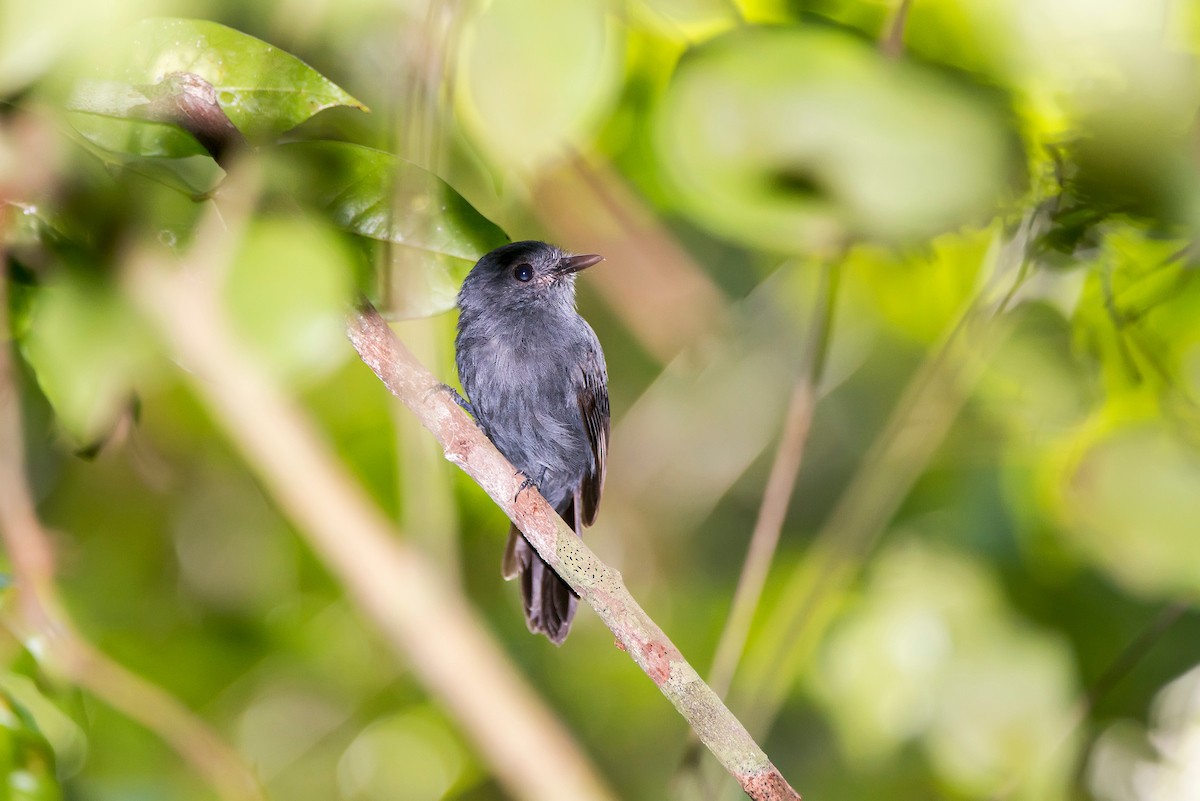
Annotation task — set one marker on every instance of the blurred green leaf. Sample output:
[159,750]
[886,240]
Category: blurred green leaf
[87,349]
[1034,385]
[409,756]
[438,235]
[35,36]
[1136,315]
[264,90]
[932,654]
[693,19]
[1129,500]
[288,292]
[944,274]
[379,195]
[38,742]
[803,139]
[533,74]
[1156,764]
[1119,84]
[193,176]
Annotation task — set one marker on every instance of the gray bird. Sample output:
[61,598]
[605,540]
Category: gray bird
[535,381]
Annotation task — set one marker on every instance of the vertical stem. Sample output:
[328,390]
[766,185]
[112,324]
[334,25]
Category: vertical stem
[892,41]
[780,484]
[920,422]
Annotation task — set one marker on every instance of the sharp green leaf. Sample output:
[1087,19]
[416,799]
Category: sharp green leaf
[264,90]
[135,137]
[87,350]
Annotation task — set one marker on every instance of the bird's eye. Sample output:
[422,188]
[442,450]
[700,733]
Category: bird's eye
[523,272]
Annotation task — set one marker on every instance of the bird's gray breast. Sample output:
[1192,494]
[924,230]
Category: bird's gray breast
[524,385]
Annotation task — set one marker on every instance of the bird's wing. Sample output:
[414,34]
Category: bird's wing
[593,405]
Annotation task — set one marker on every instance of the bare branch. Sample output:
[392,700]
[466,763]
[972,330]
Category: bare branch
[917,427]
[404,594]
[778,492]
[892,41]
[599,585]
[40,616]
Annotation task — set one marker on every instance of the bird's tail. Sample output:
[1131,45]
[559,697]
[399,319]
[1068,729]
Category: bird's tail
[549,601]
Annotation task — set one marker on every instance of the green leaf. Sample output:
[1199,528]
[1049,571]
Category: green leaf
[533,75]
[1129,503]
[1137,315]
[191,175]
[87,349]
[264,91]
[800,140]
[692,19]
[141,138]
[288,292]
[38,742]
[916,659]
[943,275]
[383,197]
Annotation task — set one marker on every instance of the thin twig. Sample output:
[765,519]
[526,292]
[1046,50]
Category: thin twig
[776,498]
[765,537]
[918,425]
[41,618]
[599,585]
[891,43]
[409,600]
[778,492]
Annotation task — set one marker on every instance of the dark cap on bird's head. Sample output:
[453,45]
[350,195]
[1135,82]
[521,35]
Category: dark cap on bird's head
[523,273]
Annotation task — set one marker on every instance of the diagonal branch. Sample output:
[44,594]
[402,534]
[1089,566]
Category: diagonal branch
[891,42]
[599,585]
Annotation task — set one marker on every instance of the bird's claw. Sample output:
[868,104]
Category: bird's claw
[526,484]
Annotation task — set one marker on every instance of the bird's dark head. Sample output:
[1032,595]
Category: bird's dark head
[523,274]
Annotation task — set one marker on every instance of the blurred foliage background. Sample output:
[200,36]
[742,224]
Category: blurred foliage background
[986,582]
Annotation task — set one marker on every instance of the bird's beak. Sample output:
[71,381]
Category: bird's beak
[573,264]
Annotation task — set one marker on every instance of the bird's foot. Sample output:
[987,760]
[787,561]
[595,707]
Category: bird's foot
[526,484]
[529,482]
